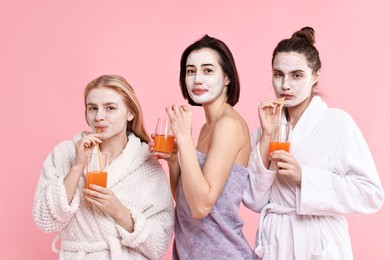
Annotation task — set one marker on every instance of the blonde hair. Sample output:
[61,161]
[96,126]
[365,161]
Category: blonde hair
[123,88]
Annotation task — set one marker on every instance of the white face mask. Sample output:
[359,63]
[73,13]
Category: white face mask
[205,79]
[106,112]
[292,78]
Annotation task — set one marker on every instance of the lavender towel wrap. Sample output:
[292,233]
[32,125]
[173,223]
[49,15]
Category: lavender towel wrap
[218,235]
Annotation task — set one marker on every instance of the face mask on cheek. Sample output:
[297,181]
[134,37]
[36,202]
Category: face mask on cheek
[211,88]
[299,90]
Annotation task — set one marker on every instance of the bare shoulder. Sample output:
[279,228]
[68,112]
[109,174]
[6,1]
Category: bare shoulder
[232,126]
[232,130]
[231,119]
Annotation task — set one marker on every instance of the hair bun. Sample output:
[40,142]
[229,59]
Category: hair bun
[307,33]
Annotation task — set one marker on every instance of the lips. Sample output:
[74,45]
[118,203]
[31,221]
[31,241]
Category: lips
[198,91]
[288,97]
[100,128]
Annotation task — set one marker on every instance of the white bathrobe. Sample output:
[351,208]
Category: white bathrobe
[339,177]
[138,181]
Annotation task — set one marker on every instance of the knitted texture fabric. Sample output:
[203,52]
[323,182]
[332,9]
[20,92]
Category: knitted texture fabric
[86,232]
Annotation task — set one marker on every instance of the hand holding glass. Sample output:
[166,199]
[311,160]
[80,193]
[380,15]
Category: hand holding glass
[163,139]
[97,169]
[280,138]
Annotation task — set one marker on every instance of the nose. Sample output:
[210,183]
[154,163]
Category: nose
[99,115]
[198,78]
[285,84]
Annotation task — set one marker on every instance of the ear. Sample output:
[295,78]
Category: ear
[130,116]
[227,80]
[316,77]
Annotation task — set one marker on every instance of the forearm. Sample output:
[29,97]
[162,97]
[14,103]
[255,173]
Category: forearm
[174,174]
[264,150]
[71,181]
[260,180]
[196,188]
[124,218]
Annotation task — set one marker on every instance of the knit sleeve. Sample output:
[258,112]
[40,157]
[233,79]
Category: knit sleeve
[51,210]
[153,215]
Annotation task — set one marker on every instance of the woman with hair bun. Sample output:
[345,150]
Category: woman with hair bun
[302,195]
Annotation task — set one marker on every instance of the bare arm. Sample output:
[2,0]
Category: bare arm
[202,189]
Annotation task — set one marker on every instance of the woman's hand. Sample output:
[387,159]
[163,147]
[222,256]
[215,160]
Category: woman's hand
[85,145]
[269,113]
[181,122]
[107,202]
[104,199]
[287,166]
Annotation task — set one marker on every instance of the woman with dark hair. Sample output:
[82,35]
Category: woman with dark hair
[302,195]
[208,180]
[130,219]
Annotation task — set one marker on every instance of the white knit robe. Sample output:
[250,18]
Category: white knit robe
[138,181]
[339,177]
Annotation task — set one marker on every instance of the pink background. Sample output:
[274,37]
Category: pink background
[51,49]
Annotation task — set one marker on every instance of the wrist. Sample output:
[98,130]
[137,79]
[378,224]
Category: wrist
[124,218]
[265,138]
[183,140]
[77,168]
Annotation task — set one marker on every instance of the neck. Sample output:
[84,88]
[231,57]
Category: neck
[114,146]
[214,111]
[295,113]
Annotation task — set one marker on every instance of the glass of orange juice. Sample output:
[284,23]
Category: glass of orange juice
[163,139]
[280,137]
[97,169]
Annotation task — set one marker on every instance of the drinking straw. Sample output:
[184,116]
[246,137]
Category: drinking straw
[99,154]
[280,118]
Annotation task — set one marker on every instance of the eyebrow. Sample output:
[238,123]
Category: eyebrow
[294,71]
[104,104]
[203,65]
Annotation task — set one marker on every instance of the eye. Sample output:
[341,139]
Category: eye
[190,71]
[109,108]
[277,74]
[91,108]
[208,70]
[297,75]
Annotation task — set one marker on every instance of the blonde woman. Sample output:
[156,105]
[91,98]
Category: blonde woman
[130,219]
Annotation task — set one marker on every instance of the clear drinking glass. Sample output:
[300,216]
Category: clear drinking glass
[97,169]
[280,137]
[163,139]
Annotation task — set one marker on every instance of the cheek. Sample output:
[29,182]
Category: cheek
[277,83]
[88,118]
[189,82]
[307,86]
[214,83]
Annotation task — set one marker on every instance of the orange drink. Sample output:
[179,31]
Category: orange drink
[280,138]
[273,146]
[164,143]
[163,137]
[98,178]
[97,169]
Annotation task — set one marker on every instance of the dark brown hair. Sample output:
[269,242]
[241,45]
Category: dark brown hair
[226,61]
[302,42]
